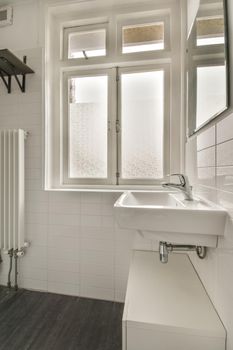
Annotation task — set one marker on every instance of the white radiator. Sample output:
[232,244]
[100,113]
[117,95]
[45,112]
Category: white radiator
[12,189]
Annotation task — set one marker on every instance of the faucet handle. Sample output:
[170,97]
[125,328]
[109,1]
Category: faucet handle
[183,178]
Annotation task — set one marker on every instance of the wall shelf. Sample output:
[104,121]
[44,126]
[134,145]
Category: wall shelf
[12,66]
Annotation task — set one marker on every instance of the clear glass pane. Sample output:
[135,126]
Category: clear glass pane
[142,113]
[210,31]
[211,92]
[143,37]
[87,44]
[88,127]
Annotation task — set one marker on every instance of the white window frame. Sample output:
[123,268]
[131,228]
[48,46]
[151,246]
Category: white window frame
[166,122]
[56,66]
[111,137]
[83,29]
[192,95]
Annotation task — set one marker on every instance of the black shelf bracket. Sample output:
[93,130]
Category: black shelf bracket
[7,81]
[11,66]
[22,83]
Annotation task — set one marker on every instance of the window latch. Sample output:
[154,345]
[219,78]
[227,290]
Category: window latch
[118,127]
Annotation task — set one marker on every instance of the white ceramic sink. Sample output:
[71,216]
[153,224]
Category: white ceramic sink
[167,216]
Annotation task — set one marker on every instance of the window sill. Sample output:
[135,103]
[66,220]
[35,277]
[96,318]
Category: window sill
[107,189]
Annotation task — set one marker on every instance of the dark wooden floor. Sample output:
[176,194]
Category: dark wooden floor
[44,321]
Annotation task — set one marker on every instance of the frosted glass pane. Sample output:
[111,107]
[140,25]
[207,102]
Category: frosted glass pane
[143,37]
[87,44]
[142,112]
[88,122]
[211,92]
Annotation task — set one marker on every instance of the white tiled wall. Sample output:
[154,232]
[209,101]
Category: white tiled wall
[76,245]
[211,171]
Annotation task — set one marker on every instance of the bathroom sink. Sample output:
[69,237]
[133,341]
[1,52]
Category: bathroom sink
[167,216]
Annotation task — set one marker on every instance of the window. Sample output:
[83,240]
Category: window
[144,37]
[87,120]
[210,31]
[109,82]
[90,122]
[85,41]
[142,116]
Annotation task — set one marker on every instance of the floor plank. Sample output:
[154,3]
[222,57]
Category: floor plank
[44,321]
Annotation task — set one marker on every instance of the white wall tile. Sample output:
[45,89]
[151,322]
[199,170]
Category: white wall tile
[63,288]
[98,281]
[63,265]
[37,234]
[225,129]
[225,178]
[36,218]
[100,233]
[225,199]
[96,293]
[64,230]
[66,253]
[29,272]
[226,242]
[63,276]
[36,257]
[206,176]
[206,157]
[92,197]
[64,208]
[206,139]
[64,219]
[97,244]
[91,221]
[216,269]
[34,284]
[225,154]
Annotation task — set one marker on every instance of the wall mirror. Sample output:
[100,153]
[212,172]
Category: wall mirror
[207,65]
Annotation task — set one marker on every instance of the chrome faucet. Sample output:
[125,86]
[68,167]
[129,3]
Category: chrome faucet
[183,186]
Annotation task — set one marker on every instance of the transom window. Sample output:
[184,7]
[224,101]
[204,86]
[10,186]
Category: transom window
[143,37]
[85,41]
[210,30]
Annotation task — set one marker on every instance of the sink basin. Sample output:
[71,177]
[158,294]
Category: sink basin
[167,216]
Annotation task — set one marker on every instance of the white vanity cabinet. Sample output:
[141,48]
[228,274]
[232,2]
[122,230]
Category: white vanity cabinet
[167,307]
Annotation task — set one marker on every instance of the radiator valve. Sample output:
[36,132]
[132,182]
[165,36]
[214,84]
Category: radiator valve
[21,252]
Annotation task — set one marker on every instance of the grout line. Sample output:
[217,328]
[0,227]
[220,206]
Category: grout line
[215,158]
[205,148]
[207,166]
[216,144]
[224,166]
[220,143]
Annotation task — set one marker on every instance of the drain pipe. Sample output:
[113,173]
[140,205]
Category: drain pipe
[16,269]
[10,253]
[166,248]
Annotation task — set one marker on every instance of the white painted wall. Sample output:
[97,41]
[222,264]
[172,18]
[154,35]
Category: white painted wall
[23,34]
[209,163]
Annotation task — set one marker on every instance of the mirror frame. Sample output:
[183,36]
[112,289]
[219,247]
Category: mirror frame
[219,113]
